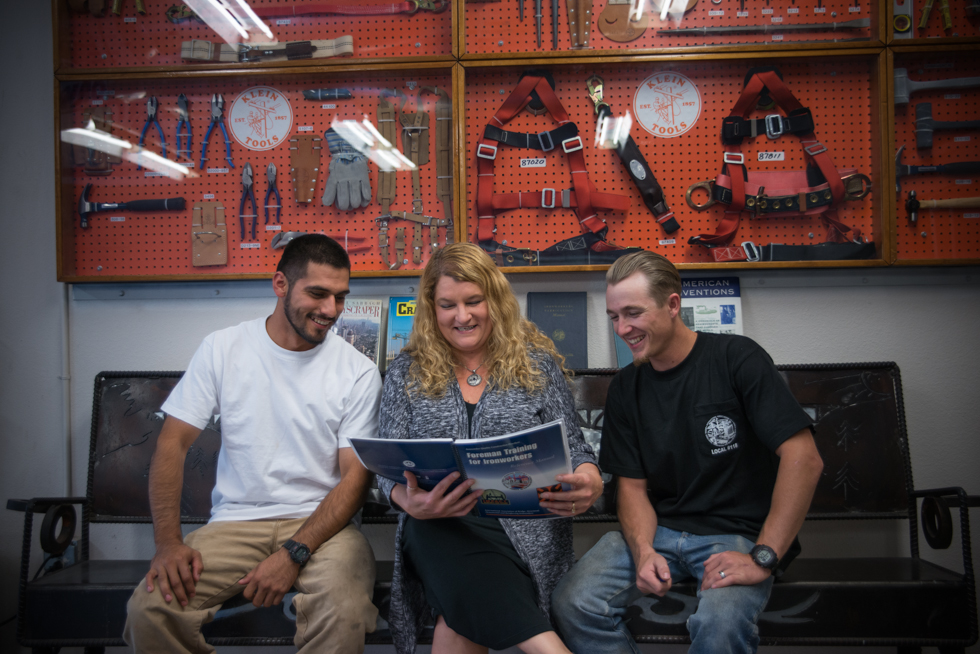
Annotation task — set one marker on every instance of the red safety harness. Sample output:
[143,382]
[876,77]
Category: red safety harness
[583,197]
[818,190]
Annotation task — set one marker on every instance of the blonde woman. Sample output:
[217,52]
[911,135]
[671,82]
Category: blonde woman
[474,368]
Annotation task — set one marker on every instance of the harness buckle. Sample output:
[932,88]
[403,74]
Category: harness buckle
[734,158]
[541,139]
[815,149]
[544,203]
[576,140]
[752,251]
[492,149]
[775,127]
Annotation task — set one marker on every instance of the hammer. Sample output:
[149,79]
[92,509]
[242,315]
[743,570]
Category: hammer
[925,125]
[904,87]
[913,204]
[85,207]
[954,168]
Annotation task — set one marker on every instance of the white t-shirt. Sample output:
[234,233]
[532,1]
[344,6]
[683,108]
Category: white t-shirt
[283,414]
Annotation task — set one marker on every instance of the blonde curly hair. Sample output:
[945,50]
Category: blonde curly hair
[512,337]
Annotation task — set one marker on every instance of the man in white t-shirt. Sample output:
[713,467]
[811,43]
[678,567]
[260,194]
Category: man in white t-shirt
[290,396]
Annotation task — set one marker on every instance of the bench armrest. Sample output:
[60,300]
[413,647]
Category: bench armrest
[42,504]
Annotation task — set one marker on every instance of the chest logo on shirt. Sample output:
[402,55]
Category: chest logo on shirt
[721,432]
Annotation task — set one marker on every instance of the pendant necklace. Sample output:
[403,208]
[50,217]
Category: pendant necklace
[474,379]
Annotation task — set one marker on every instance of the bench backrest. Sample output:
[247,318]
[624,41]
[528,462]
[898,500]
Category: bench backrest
[857,408]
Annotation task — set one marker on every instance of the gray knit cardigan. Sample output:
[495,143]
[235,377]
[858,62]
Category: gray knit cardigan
[544,545]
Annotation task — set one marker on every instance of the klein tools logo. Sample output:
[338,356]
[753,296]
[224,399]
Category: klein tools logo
[667,105]
[261,118]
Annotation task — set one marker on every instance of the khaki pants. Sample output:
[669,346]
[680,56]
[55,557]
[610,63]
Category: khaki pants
[333,606]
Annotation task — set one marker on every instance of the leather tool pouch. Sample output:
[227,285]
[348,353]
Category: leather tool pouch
[209,237]
[304,159]
[96,162]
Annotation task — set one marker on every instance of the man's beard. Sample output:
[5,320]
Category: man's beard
[309,338]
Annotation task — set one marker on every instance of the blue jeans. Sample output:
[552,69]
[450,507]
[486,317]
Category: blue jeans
[591,601]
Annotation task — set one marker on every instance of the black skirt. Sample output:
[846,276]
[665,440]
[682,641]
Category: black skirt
[474,579]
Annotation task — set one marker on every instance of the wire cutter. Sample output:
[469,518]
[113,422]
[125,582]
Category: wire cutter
[151,118]
[217,115]
[183,122]
[270,173]
[247,192]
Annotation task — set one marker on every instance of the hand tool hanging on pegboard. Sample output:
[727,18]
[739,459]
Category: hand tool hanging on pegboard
[913,205]
[856,24]
[95,162]
[952,168]
[943,9]
[201,50]
[304,161]
[248,192]
[86,208]
[117,7]
[634,162]
[818,190]
[272,191]
[183,122]
[209,235]
[415,144]
[926,126]
[151,119]
[217,118]
[327,94]
[583,198]
[905,87]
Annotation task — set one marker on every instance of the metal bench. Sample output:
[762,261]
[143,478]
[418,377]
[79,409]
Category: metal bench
[904,602]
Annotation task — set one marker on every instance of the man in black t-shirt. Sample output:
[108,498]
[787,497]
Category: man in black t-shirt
[707,425]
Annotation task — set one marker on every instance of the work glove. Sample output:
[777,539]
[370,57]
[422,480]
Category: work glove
[348,182]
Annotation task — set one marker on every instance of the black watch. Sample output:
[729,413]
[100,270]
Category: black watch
[764,557]
[298,552]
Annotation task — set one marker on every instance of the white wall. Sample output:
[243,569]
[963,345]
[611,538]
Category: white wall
[926,320]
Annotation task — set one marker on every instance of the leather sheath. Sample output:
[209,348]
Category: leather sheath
[209,236]
[304,159]
[96,162]
[579,22]
[615,24]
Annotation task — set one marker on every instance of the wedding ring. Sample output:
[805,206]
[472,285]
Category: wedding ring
[722,573]
[573,508]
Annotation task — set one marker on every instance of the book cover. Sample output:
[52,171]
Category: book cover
[360,325]
[562,318]
[712,304]
[401,315]
[510,471]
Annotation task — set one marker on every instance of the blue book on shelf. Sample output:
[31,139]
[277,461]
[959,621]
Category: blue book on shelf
[562,318]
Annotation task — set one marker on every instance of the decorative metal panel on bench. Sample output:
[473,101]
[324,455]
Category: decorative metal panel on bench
[905,602]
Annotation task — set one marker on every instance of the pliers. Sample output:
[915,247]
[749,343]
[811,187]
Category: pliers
[183,122]
[272,190]
[943,8]
[247,192]
[151,117]
[217,104]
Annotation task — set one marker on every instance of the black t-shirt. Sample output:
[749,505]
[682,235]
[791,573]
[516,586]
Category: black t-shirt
[703,434]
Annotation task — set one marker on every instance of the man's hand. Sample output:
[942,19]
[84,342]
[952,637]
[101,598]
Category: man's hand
[177,567]
[653,574]
[437,503]
[739,569]
[586,483]
[269,581]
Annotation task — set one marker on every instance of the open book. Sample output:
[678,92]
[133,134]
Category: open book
[510,471]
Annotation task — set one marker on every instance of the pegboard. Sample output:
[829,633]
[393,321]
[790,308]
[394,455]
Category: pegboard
[962,23]
[495,27]
[158,244]
[939,234]
[849,130]
[132,40]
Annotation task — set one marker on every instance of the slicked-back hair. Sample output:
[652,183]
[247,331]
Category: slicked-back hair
[315,248]
[662,277]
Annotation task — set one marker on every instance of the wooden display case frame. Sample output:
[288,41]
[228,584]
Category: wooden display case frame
[880,49]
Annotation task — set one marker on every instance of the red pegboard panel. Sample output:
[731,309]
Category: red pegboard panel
[961,23]
[131,40]
[137,244]
[495,27]
[943,233]
[819,83]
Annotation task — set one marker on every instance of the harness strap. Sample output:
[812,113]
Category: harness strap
[488,204]
[386,178]
[444,163]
